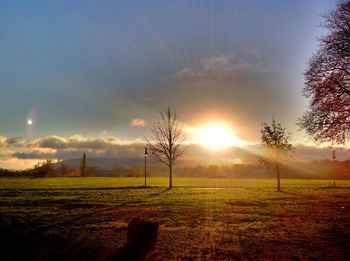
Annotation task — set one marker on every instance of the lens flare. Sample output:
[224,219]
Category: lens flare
[31,122]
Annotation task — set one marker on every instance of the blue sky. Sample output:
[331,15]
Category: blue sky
[91,67]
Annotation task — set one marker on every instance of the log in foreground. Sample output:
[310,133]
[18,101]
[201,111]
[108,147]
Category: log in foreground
[142,237]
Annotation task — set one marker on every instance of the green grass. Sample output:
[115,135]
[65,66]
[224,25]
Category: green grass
[101,182]
[200,219]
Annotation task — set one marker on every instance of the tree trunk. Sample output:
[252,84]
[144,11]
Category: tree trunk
[333,174]
[278,177]
[170,176]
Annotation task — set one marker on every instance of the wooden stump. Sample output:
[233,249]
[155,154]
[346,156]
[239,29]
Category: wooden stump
[142,237]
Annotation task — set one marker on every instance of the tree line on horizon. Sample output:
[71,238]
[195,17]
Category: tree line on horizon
[318,169]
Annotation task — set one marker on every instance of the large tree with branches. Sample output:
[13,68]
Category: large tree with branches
[277,147]
[328,81]
[167,139]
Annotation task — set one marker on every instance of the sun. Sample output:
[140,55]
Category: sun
[217,136]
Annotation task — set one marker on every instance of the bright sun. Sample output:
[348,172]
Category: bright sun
[217,136]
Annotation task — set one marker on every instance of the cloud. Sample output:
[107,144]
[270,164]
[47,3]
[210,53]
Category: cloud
[34,154]
[224,65]
[137,122]
[2,141]
[52,142]
[57,147]
[14,141]
[76,142]
[6,154]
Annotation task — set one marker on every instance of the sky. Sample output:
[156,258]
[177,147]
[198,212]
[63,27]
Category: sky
[86,72]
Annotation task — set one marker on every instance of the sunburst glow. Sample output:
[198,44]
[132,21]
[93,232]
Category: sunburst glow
[217,136]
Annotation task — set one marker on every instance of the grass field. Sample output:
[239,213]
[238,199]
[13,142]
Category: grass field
[200,219]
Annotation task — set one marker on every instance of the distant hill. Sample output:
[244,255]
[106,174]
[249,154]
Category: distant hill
[109,163]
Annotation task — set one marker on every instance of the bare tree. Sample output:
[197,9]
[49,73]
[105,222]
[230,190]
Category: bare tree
[167,140]
[43,169]
[275,141]
[64,168]
[328,81]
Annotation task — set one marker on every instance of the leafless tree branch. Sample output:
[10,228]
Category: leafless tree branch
[167,140]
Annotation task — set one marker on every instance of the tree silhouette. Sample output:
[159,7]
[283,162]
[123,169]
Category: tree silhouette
[42,169]
[64,168]
[275,141]
[328,81]
[167,139]
[83,166]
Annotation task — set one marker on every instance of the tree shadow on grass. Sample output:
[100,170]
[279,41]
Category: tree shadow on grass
[336,187]
[159,193]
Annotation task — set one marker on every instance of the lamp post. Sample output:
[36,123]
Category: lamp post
[333,157]
[146,154]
